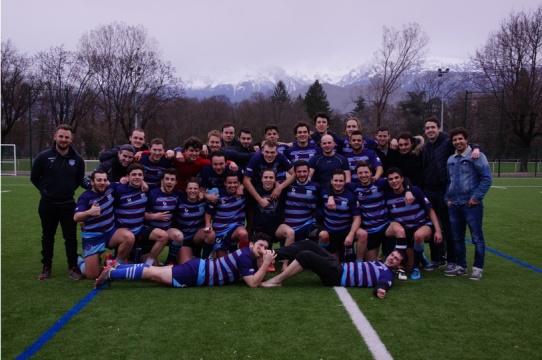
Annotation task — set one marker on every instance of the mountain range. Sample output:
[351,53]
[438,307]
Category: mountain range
[341,89]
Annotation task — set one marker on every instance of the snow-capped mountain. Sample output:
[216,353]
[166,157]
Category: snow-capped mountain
[341,88]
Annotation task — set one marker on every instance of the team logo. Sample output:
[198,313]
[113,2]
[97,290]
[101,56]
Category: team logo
[71,162]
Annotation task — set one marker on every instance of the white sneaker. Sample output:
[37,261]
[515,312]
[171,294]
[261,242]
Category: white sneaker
[476,273]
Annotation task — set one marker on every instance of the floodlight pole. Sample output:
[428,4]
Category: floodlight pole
[440,74]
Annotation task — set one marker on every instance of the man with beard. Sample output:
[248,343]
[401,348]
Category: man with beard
[56,173]
[98,232]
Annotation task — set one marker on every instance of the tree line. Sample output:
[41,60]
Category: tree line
[116,80]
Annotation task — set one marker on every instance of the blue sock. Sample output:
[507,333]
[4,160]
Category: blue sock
[418,254]
[127,272]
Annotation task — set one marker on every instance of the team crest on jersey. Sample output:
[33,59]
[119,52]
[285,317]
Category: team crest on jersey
[71,162]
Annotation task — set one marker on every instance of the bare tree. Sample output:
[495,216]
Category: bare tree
[16,86]
[130,77]
[65,81]
[402,51]
[510,63]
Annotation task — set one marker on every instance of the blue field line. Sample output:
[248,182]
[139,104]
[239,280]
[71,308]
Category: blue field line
[51,332]
[510,258]
[514,260]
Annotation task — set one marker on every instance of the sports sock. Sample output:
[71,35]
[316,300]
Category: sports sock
[174,248]
[149,261]
[127,272]
[418,254]
[81,264]
[401,243]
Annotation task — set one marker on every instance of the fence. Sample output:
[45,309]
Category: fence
[23,167]
[511,168]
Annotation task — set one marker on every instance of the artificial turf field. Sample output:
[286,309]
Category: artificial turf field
[499,317]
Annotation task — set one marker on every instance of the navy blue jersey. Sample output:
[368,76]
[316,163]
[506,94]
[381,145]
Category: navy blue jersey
[130,204]
[366,274]
[372,204]
[366,155]
[295,152]
[215,272]
[189,216]
[323,167]
[96,225]
[410,216]
[227,213]
[153,170]
[281,148]
[160,201]
[257,165]
[267,219]
[340,218]
[367,144]
[300,204]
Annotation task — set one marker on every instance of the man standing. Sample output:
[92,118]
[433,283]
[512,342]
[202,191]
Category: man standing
[468,181]
[435,153]
[56,173]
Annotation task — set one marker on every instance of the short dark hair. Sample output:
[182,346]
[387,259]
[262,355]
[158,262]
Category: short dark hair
[193,179]
[457,131]
[66,127]
[193,142]
[218,153]
[225,125]
[269,144]
[268,169]
[245,131]
[127,147]
[158,141]
[383,128]
[432,119]
[406,136]
[168,171]
[320,115]
[230,173]
[338,172]
[97,171]
[394,169]
[134,166]
[363,163]
[300,124]
[356,132]
[271,127]
[137,129]
[299,163]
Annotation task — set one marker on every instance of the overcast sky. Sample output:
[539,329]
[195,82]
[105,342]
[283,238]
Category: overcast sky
[226,39]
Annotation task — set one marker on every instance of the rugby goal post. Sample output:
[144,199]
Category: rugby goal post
[8,159]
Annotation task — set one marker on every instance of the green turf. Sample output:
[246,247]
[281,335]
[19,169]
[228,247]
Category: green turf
[438,317]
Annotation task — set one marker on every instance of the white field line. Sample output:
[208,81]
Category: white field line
[5,191]
[367,332]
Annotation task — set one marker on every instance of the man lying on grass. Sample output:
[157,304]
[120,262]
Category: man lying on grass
[308,255]
[250,263]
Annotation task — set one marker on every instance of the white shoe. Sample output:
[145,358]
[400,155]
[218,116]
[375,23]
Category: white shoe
[476,273]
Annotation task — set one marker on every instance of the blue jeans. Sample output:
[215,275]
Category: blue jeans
[460,217]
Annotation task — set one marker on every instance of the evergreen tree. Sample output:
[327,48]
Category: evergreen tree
[360,105]
[316,100]
[280,94]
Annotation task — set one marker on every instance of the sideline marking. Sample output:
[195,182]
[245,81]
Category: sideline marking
[367,332]
[5,191]
[516,186]
[57,326]
[514,260]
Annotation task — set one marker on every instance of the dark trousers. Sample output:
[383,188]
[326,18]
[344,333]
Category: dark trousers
[439,252]
[51,214]
[312,257]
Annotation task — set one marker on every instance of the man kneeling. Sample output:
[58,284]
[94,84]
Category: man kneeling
[308,255]
[250,263]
